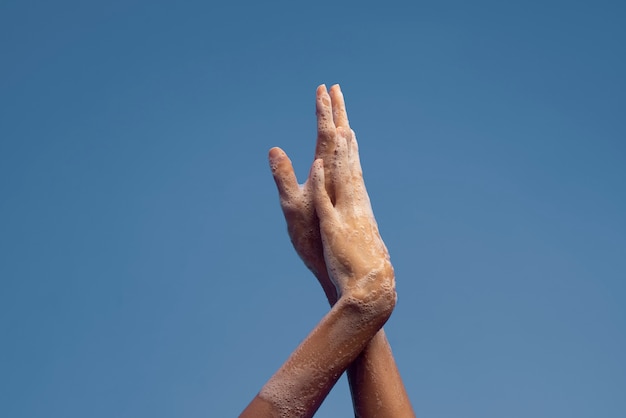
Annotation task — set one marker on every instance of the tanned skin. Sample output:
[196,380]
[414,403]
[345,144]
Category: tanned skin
[333,229]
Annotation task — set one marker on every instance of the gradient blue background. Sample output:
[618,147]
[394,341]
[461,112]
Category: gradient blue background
[145,267]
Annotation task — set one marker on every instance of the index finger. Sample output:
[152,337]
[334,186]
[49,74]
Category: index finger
[325,126]
[340,115]
[326,135]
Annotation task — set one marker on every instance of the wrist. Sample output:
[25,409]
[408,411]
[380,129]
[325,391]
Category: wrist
[374,294]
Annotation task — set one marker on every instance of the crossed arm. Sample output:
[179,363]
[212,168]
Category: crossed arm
[334,231]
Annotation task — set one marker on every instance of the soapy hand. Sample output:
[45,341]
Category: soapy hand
[355,254]
[297,200]
[332,228]
[343,248]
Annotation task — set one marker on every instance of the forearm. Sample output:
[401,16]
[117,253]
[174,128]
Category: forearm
[298,388]
[375,382]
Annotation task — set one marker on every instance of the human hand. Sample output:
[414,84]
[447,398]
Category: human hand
[297,200]
[355,254]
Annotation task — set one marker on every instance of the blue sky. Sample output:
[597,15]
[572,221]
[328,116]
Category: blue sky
[145,265]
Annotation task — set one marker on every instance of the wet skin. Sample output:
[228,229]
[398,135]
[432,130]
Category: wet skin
[333,229]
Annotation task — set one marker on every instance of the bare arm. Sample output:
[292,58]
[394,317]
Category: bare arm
[376,386]
[301,384]
[375,382]
[359,267]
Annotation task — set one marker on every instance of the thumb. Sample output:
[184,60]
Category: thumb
[323,205]
[283,173]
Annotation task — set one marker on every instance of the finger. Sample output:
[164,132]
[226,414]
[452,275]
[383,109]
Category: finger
[353,151]
[356,174]
[325,125]
[283,173]
[323,206]
[326,134]
[340,116]
[341,168]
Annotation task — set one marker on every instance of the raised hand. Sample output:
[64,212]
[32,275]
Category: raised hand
[297,200]
[332,228]
[355,254]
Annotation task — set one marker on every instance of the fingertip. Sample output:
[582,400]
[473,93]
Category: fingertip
[275,153]
[275,150]
[282,171]
[275,156]
[323,98]
[335,94]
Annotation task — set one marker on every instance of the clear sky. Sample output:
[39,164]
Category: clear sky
[145,268]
